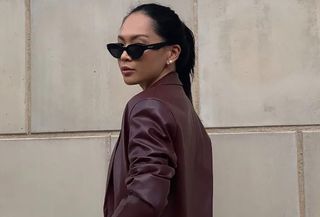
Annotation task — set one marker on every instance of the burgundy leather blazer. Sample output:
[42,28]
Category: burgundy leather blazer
[161,165]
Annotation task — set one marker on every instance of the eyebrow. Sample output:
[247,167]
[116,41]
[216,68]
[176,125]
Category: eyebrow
[133,37]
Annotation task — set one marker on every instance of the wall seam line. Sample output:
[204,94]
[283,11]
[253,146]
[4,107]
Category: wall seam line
[300,167]
[196,86]
[231,130]
[28,66]
[263,129]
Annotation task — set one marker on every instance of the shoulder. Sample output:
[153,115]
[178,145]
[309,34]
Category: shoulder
[150,109]
[154,105]
[148,99]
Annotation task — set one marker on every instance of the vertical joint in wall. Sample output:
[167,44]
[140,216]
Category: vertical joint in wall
[300,166]
[28,66]
[195,86]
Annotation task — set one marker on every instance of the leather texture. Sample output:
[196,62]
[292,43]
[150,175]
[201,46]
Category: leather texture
[161,165]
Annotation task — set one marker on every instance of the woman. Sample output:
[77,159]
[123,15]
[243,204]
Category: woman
[162,162]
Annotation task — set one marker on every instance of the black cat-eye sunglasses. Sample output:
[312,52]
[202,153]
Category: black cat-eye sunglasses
[135,51]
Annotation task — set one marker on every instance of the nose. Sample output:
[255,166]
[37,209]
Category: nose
[124,56]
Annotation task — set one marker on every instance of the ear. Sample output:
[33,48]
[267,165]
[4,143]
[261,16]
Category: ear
[174,53]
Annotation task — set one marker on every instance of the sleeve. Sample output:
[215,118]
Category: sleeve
[152,160]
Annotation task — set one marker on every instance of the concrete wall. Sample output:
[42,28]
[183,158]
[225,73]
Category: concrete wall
[257,90]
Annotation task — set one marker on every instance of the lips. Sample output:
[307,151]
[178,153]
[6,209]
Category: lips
[126,71]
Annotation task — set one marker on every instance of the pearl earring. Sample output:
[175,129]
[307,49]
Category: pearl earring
[169,62]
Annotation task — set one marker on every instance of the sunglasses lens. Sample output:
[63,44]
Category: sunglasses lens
[135,51]
[115,50]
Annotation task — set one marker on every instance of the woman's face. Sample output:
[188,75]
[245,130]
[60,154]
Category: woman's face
[152,65]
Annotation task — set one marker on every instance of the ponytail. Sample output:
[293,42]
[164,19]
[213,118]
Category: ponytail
[186,61]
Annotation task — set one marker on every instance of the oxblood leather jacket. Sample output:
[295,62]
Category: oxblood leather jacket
[161,165]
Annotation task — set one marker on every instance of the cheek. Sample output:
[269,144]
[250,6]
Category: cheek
[150,64]
[154,61]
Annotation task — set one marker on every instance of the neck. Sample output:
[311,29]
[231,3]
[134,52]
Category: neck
[166,71]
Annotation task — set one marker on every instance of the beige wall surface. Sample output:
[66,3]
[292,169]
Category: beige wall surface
[259,62]
[12,66]
[53,176]
[312,172]
[255,178]
[256,89]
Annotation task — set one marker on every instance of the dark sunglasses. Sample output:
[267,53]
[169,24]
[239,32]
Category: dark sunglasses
[135,51]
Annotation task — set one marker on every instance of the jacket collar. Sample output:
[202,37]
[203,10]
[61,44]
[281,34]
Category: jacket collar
[171,78]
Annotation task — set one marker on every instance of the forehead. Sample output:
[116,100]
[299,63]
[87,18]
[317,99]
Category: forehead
[137,24]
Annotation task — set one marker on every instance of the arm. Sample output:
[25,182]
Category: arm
[152,160]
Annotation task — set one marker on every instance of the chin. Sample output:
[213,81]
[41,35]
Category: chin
[130,81]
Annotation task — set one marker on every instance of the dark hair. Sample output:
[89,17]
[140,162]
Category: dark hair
[168,25]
